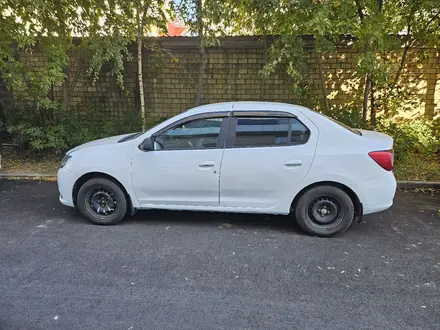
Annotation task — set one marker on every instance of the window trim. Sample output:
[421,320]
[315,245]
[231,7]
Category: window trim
[221,139]
[219,114]
[232,132]
[227,134]
[275,114]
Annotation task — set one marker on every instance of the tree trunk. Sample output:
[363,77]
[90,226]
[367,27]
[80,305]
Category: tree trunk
[262,77]
[324,89]
[366,94]
[359,9]
[141,22]
[141,82]
[372,105]
[202,54]
[402,60]
[199,90]
[65,90]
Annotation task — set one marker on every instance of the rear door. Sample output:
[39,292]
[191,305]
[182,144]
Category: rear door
[266,155]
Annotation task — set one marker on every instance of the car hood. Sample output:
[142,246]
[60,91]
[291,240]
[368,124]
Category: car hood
[100,142]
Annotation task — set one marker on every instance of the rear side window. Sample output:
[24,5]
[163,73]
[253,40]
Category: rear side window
[267,131]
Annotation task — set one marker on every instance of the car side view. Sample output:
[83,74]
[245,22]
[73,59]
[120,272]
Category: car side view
[249,157]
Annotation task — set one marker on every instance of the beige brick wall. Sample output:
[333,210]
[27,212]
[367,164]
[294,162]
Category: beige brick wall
[232,73]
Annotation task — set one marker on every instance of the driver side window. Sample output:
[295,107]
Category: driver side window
[195,134]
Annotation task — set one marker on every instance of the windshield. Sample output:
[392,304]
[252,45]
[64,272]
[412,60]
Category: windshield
[130,137]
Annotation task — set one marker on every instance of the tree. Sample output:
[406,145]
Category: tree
[105,29]
[49,27]
[23,25]
[371,26]
[204,19]
[132,21]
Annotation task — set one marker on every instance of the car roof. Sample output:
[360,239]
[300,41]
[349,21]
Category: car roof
[247,106]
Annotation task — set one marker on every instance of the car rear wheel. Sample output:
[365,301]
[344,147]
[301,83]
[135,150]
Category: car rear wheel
[102,201]
[324,211]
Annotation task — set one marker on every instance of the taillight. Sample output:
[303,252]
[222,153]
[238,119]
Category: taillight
[385,158]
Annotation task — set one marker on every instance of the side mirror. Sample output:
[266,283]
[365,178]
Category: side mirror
[147,144]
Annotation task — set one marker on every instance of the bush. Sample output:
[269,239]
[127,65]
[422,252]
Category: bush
[66,129]
[410,136]
[350,117]
[415,136]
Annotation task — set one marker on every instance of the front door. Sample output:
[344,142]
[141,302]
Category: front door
[183,168]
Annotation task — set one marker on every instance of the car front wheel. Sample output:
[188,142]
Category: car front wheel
[102,201]
[324,211]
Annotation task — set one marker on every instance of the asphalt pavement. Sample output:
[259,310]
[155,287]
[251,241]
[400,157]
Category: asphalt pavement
[182,270]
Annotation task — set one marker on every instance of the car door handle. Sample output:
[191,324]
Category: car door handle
[208,163]
[293,163]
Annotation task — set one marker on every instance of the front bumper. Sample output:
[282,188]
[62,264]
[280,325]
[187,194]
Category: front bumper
[66,180]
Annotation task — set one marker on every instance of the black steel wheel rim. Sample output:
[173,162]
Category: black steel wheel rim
[101,201]
[325,211]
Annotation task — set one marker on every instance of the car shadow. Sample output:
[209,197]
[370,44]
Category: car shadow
[214,219]
[190,218]
[248,222]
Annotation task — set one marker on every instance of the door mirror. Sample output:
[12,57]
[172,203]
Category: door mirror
[147,144]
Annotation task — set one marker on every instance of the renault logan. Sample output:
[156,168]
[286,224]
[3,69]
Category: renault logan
[252,157]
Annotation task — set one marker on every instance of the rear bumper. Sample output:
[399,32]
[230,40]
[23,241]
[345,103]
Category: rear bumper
[66,181]
[379,193]
[377,208]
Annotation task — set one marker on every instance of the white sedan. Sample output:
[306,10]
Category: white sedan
[250,157]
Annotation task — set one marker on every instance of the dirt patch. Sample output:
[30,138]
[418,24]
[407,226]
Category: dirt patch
[22,161]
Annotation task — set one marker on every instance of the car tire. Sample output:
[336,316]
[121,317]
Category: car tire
[102,201]
[324,211]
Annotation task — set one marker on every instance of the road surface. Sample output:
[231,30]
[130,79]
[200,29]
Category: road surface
[175,270]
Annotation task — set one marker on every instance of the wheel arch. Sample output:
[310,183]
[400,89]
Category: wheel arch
[91,175]
[358,208]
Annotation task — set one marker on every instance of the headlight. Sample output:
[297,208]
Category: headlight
[65,160]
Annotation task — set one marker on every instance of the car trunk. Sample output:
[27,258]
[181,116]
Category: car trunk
[380,147]
[377,141]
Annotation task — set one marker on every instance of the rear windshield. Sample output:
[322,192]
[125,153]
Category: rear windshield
[353,130]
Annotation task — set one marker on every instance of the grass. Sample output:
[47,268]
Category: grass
[418,168]
[413,167]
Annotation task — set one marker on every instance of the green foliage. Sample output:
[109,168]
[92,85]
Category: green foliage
[349,116]
[69,128]
[417,167]
[415,136]
[213,18]
[111,51]
[410,136]
[23,25]
[369,26]
[105,28]
[288,51]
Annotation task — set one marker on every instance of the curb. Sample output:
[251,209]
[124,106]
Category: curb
[418,184]
[27,175]
[400,184]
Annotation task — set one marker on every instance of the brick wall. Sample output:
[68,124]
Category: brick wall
[232,73]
